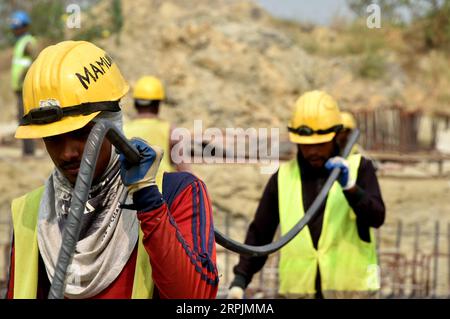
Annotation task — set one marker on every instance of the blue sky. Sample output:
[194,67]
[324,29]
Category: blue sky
[316,11]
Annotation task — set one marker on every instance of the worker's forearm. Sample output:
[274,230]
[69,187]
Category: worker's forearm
[365,199]
[368,207]
[179,268]
[248,266]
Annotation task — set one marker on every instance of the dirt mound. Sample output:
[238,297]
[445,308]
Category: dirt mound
[228,63]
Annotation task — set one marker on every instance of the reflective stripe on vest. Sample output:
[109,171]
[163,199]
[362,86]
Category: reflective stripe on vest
[155,132]
[20,61]
[346,262]
[26,252]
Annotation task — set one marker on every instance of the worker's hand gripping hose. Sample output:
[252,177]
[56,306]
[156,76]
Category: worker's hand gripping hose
[137,177]
[83,184]
[250,250]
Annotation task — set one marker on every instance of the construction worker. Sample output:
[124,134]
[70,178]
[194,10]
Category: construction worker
[349,124]
[335,255]
[148,95]
[136,241]
[25,51]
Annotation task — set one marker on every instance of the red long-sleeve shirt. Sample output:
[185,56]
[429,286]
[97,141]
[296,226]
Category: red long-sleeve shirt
[178,237]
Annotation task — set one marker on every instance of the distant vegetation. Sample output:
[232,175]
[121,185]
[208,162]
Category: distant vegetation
[410,28]
[426,23]
[49,19]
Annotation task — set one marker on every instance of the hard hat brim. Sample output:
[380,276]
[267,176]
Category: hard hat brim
[65,125]
[312,139]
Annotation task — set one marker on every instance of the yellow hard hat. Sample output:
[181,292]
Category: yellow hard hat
[348,120]
[68,85]
[149,88]
[316,119]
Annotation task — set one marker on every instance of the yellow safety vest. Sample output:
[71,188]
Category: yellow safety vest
[20,61]
[346,263]
[356,149]
[156,132]
[26,252]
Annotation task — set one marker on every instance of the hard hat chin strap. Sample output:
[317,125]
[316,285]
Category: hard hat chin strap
[54,113]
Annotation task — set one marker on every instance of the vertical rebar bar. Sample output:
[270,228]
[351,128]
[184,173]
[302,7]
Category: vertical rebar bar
[397,289]
[363,122]
[375,125]
[399,235]
[368,131]
[415,261]
[434,128]
[436,258]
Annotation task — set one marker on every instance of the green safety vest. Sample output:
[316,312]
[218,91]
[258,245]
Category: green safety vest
[25,212]
[346,263]
[20,62]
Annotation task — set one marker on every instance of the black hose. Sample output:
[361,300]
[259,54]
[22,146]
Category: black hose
[264,250]
[92,148]
[71,232]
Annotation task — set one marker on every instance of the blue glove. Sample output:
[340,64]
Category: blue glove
[344,178]
[141,175]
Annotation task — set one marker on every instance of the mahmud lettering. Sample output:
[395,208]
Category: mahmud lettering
[94,71]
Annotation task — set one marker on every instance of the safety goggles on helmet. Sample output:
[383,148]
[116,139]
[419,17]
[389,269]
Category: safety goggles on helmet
[308,131]
[53,113]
